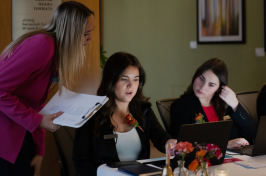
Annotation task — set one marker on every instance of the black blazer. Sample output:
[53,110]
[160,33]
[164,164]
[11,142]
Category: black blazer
[89,154]
[183,111]
[261,103]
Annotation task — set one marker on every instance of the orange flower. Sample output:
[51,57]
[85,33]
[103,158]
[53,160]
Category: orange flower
[193,165]
[184,147]
[198,117]
[190,147]
[200,153]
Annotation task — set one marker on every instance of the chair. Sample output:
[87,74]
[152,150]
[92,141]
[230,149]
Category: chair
[64,138]
[164,110]
[248,100]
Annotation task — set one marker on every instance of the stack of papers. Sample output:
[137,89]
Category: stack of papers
[250,164]
[77,108]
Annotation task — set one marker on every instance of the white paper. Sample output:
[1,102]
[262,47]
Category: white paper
[154,166]
[250,164]
[231,153]
[74,106]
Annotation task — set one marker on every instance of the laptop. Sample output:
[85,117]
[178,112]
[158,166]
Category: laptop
[259,147]
[217,133]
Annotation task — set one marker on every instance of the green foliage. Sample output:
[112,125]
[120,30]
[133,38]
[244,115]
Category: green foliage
[103,58]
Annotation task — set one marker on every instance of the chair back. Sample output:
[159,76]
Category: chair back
[164,111]
[248,100]
[64,139]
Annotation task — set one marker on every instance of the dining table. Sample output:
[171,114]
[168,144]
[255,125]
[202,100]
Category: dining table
[233,168]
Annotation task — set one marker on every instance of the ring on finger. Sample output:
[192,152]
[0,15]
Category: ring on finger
[54,116]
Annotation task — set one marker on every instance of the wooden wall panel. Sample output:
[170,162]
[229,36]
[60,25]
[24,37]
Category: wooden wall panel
[89,79]
[6,22]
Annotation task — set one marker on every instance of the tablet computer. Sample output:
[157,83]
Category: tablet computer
[122,163]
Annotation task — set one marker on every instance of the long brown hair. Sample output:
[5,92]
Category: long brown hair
[113,69]
[218,67]
[67,27]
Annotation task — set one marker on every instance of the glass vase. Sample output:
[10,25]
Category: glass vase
[204,171]
[180,170]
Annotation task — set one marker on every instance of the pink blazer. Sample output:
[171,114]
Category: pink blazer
[24,84]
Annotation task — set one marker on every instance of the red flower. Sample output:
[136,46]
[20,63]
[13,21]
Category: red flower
[215,149]
[128,117]
[219,153]
[211,147]
[209,163]
[131,122]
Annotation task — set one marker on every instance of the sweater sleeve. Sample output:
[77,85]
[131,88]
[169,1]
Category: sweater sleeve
[243,122]
[157,134]
[83,149]
[261,103]
[30,56]
[39,141]
[179,115]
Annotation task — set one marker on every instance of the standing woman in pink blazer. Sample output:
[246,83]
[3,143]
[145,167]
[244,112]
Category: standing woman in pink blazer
[28,67]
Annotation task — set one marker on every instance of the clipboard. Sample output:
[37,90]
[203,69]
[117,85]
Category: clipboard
[78,108]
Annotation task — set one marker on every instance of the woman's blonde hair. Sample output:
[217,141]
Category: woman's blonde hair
[67,27]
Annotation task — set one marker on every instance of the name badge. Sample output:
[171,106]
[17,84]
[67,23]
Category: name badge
[110,136]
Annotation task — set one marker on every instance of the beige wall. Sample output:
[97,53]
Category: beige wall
[158,33]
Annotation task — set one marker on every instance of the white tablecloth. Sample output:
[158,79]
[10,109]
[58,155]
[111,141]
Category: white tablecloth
[234,169]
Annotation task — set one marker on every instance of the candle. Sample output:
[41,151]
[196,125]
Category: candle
[167,162]
[221,172]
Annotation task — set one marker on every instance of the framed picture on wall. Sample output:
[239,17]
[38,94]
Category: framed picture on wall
[264,4]
[220,21]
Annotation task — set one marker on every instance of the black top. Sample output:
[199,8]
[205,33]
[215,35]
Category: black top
[89,154]
[261,103]
[183,111]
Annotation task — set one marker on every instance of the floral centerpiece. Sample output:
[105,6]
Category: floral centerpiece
[201,163]
[180,150]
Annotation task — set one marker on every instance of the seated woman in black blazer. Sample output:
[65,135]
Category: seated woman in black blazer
[123,80]
[209,95]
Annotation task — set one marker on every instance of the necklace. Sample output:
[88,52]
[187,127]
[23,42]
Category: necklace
[122,117]
[55,79]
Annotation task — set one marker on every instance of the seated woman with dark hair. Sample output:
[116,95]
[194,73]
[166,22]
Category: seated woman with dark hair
[96,142]
[209,95]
